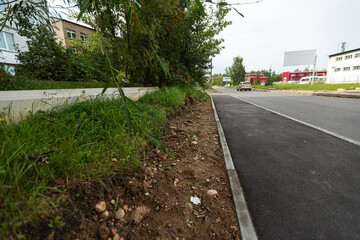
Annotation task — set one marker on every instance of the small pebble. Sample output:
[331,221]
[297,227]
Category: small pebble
[104,232]
[147,194]
[113,202]
[100,207]
[105,215]
[173,164]
[113,232]
[157,208]
[126,208]
[120,214]
[212,192]
[232,227]
[154,181]
[116,237]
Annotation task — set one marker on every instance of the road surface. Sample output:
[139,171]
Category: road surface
[339,115]
[299,182]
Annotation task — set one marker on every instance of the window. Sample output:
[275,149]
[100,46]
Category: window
[356,68]
[7,41]
[338,58]
[337,70]
[346,68]
[70,33]
[2,6]
[357,55]
[348,57]
[83,37]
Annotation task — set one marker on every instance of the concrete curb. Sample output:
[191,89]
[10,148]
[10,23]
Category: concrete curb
[247,229]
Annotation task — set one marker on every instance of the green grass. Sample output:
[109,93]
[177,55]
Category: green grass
[90,142]
[41,85]
[315,87]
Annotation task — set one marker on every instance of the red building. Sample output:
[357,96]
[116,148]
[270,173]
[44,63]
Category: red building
[254,77]
[295,76]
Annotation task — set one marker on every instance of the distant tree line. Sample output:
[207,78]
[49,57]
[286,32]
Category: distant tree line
[237,73]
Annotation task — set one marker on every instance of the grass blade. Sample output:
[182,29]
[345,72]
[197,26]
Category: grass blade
[238,12]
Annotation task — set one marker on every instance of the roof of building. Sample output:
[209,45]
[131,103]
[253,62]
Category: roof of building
[56,19]
[335,54]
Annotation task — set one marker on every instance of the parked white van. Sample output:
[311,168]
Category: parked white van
[307,80]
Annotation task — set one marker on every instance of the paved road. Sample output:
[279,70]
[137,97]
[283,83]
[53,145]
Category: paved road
[299,183]
[339,115]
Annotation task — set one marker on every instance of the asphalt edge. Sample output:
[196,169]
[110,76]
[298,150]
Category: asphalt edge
[304,123]
[247,229]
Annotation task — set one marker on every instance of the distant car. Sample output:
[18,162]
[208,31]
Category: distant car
[317,79]
[244,86]
[292,82]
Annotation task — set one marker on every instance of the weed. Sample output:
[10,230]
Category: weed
[56,222]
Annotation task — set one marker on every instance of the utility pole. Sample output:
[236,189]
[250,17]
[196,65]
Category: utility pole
[313,76]
[211,67]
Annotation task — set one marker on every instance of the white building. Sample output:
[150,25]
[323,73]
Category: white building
[344,67]
[11,43]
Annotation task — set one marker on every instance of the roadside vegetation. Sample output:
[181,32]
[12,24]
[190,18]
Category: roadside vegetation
[149,43]
[74,144]
[315,87]
[9,83]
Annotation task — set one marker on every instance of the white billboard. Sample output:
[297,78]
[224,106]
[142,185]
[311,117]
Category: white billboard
[296,58]
[226,79]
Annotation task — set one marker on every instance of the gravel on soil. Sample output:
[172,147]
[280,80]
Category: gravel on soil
[156,205]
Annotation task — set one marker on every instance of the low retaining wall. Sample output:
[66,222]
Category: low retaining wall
[20,103]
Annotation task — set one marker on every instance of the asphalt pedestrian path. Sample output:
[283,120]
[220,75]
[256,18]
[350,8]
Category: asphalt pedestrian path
[299,182]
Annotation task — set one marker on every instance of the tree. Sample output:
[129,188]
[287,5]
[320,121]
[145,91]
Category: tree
[273,78]
[237,70]
[89,52]
[217,79]
[159,42]
[48,60]
[24,14]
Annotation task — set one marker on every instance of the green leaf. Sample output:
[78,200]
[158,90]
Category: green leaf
[222,3]
[163,67]
[201,6]
[82,115]
[145,116]
[127,113]
[85,4]
[2,170]
[160,145]
[102,46]
[238,12]
[133,104]
[105,88]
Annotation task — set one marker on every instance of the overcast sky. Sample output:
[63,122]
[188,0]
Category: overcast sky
[273,26]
